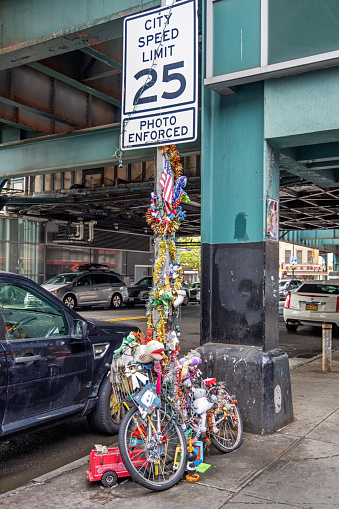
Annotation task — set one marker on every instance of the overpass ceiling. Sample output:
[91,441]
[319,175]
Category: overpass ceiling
[122,206]
[309,187]
[79,87]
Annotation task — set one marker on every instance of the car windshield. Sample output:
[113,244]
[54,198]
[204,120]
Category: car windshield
[282,283]
[319,288]
[61,279]
[144,281]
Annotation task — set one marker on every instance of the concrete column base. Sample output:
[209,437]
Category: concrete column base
[260,381]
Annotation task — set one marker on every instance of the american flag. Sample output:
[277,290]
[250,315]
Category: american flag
[167,186]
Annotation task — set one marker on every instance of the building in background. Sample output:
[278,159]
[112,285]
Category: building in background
[301,262]
[40,250]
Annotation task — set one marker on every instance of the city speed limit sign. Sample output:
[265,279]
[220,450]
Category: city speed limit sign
[160,76]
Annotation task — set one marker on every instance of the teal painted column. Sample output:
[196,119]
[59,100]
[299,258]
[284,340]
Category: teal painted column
[240,182]
[240,259]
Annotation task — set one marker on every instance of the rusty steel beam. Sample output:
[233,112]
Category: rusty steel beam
[38,112]
[101,75]
[103,58]
[14,122]
[41,95]
[75,84]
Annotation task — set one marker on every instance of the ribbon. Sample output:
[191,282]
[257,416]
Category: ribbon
[136,376]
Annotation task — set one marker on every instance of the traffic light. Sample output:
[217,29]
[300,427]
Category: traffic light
[312,254]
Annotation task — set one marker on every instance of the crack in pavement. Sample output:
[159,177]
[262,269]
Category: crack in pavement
[263,501]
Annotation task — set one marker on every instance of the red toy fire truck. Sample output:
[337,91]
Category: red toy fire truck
[106,465]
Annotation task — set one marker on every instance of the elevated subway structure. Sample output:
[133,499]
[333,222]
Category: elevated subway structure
[60,108]
[271,127]
[60,99]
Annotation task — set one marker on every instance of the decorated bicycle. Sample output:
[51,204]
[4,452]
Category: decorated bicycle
[170,404]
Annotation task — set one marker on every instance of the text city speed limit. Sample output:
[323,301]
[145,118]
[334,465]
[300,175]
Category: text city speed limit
[160,76]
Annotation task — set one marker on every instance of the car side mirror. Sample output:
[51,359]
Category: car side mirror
[79,329]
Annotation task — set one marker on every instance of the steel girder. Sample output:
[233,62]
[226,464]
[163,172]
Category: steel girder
[54,28]
[87,148]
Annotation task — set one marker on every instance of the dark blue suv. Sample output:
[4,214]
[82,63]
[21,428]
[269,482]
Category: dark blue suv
[53,363]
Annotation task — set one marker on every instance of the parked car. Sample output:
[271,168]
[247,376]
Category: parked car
[53,363]
[313,303]
[89,285]
[198,296]
[193,290]
[138,293]
[288,285]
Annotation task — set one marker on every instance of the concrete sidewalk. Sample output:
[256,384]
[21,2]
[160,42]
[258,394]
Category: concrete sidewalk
[297,467]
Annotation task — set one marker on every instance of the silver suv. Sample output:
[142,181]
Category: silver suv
[89,285]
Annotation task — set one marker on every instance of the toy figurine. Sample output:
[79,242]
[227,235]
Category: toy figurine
[132,337]
[191,467]
[147,353]
[191,361]
[201,405]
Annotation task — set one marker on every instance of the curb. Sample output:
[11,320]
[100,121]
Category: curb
[42,479]
[307,361]
[85,459]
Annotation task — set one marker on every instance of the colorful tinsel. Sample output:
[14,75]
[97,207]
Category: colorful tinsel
[156,217]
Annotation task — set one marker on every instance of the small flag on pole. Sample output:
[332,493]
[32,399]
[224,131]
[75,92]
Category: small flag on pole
[166,185]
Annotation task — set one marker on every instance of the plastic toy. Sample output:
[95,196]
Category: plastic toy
[191,466]
[189,363]
[106,465]
[198,447]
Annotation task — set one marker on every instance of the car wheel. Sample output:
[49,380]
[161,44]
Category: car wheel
[109,479]
[116,301]
[185,301]
[108,412]
[292,327]
[70,301]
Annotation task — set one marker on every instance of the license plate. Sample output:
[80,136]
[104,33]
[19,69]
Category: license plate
[311,307]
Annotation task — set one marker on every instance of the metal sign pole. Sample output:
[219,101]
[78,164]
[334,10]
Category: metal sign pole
[160,157]
[160,165]
[160,108]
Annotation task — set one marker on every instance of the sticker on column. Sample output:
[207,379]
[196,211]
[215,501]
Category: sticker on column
[277,398]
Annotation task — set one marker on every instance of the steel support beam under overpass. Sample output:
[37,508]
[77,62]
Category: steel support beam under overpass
[319,239]
[53,28]
[86,148]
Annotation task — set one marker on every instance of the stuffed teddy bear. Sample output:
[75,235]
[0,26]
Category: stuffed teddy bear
[201,405]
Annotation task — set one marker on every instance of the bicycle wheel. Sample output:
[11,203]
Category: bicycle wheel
[153,449]
[229,424]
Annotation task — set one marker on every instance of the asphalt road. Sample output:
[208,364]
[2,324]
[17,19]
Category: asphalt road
[305,343]
[189,321]
[23,459]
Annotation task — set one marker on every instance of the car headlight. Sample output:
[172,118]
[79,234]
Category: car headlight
[56,291]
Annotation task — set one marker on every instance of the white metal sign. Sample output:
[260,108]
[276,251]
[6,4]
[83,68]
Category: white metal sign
[160,76]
